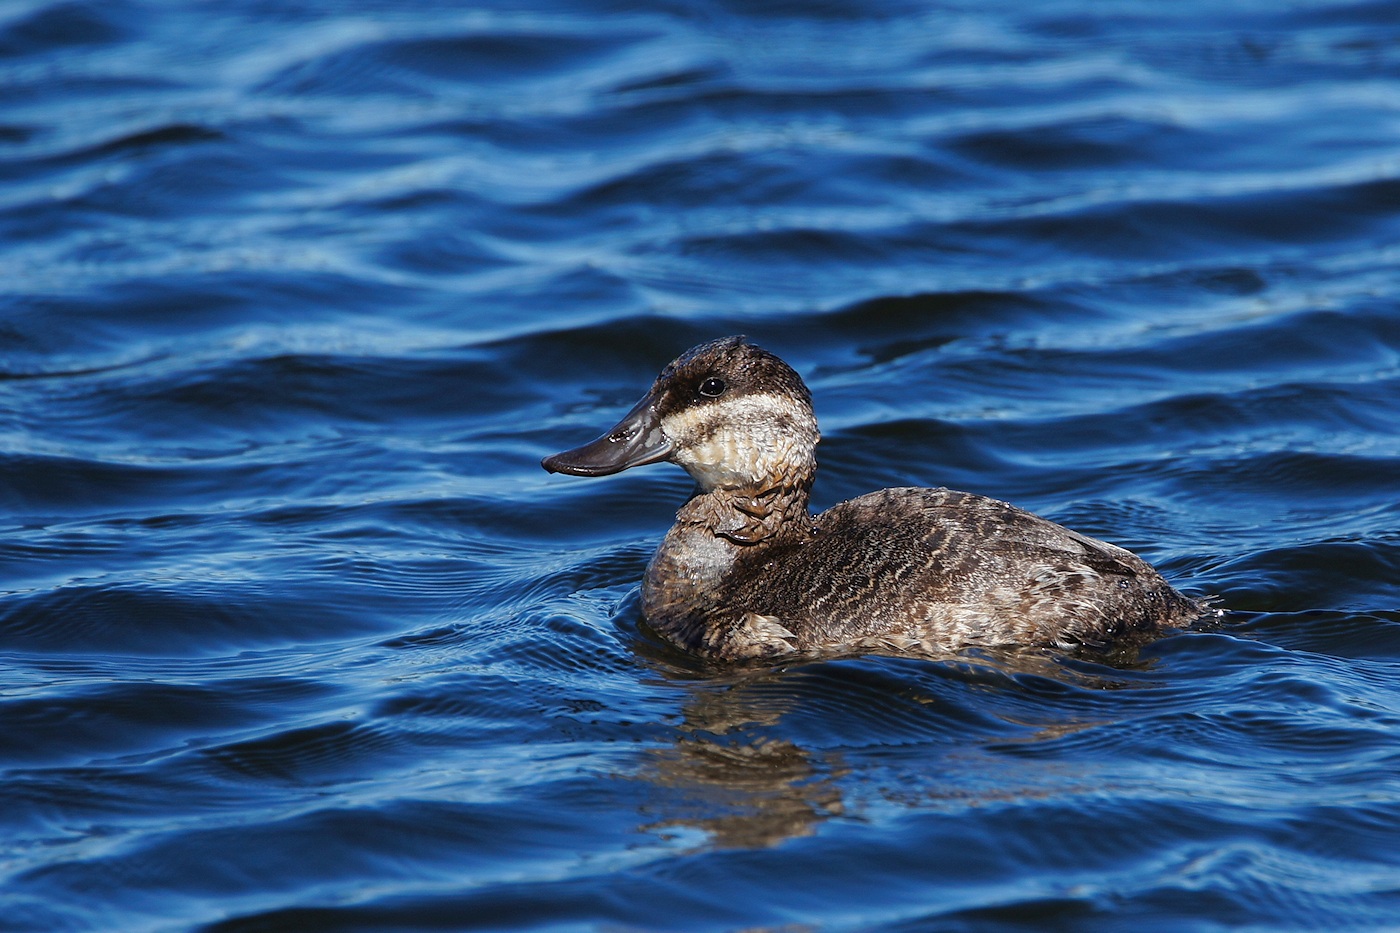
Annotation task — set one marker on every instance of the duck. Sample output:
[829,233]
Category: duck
[749,573]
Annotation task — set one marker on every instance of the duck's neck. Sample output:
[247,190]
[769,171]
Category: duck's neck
[685,594]
[749,515]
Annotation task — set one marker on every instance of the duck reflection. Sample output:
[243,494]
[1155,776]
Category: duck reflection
[733,778]
[754,763]
[748,792]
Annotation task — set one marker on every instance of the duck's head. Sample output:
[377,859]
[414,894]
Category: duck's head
[731,413]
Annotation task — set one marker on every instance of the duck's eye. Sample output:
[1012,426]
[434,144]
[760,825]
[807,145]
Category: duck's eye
[712,387]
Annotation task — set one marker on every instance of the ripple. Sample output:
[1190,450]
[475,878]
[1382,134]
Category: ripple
[61,27]
[297,633]
[414,67]
[164,621]
[311,755]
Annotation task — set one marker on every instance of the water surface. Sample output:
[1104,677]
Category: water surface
[295,634]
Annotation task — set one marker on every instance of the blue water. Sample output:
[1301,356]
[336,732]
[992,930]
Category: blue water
[295,634]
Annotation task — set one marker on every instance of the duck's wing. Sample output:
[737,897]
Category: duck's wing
[992,572]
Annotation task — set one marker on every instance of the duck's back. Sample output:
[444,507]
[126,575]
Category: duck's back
[939,570]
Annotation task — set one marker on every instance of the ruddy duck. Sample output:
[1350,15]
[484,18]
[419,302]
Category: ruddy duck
[748,572]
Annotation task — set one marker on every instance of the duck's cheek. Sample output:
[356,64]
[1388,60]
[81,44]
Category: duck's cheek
[716,462]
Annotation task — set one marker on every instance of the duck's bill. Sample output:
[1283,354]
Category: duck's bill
[633,441]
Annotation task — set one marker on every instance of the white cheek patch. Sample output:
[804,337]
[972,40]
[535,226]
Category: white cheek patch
[742,440]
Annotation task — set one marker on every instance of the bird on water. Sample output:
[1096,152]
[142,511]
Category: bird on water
[748,572]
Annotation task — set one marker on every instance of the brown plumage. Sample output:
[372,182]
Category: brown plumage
[748,572]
